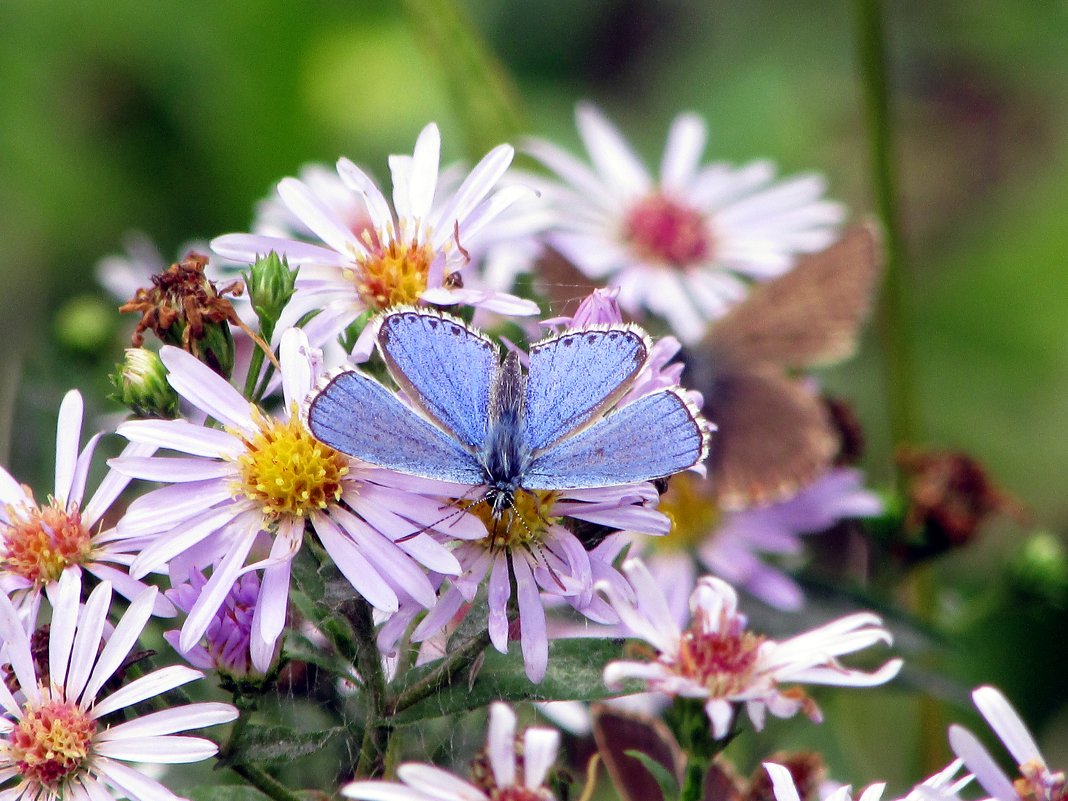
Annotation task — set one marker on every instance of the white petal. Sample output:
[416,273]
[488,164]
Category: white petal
[437,783]
[132,782]
[155,683]
[382,791]
[354,566]
[249,248]
[296,367]
[476,186]
[1006,723]
[17,646]
[169,721]
[64,623]
[160,750]
[539,753]
[423,177]
[358,181]
[167,546]
[171,469]
[68,435]
[122,639]
[500,744]
[81,472]
[682,153]
[318,216]
[610,153]
[218,587]
[782,782]
[87,640]
[978,761]
[112,485]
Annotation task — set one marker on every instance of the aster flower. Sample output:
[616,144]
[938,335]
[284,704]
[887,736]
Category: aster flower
[733,545]
[226,645]
[511,773]
[240,498]
[54,742]
[41,541]
[716,659]
[531,546]
[416,255]
[943,786]
[683,245]
[1036,782]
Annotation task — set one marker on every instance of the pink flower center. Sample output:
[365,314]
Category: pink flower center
[41,542]
[51,742]
[665,231]
[1039,783]
[516,793]
[722,661]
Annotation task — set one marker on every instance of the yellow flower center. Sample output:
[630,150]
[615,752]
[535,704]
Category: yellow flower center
[691,506]
[287,471]
[51,742]
[40,542]
[392,275]
[523,523]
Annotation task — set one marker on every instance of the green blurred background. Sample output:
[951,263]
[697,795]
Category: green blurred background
[173,118]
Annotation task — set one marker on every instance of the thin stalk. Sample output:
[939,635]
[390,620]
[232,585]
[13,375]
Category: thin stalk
[442,676]
[892,314]
[253,373]
[265,782]
[377,731]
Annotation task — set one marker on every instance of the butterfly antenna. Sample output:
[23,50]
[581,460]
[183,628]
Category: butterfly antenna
[456,511]
[533,545]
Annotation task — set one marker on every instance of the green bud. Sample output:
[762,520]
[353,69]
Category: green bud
[270,285]
[1041,568]
[141,385]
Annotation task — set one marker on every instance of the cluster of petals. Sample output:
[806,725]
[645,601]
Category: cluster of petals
[684,245]
[1037,782]
[207,518]
[73,697]
[717,660]
[39,542]
[942,786]
[521,776]
[438,232]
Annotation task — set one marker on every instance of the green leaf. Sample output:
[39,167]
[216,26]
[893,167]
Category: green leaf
[486,101]
[265,745]
[300,648]
[575,671]
[668,785]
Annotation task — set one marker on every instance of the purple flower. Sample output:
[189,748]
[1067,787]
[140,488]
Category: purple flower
[240,500]
[718,660]
[681,244]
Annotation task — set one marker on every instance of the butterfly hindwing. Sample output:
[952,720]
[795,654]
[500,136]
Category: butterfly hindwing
[576,375]
[651,437]
[773,437]
[808,316]
[447,369]
[356,415]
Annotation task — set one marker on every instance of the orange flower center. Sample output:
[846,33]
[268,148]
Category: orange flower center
[523,523]
[40,542]
[51,742]
[393,275]
[665,231]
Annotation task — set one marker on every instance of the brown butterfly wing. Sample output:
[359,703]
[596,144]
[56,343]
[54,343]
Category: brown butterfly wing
[617,732]
[774,437]
[808,316]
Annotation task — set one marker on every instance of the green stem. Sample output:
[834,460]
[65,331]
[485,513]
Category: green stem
[693,781]
[265,782]
[892,315]
[253,372]
[377,731]
[442,676]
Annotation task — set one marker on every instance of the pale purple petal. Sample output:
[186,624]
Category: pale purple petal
[978,761]
[133,783]
[361,574]
[81,472]
[222,580]
[499,592]
[249,247]
[181,436]
[171,469]
[87,641]
[319,217]
[160,750]
[539,753]
[532,634]
[500,744]
[205,389]
[169,721]
[165,548]
[112,485]
[1006,723]
[122,640]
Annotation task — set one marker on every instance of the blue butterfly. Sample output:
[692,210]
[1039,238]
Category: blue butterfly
[487,423]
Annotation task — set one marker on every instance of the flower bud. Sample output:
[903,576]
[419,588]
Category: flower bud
[270,285]
[1041,569]
[141,385]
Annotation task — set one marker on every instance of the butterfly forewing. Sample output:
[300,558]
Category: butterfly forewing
[446,369]
[356,415]
[577,375]
[808,316]
[773,437]
[651,437]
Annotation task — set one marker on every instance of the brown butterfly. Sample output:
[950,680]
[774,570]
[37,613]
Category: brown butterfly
[775,434]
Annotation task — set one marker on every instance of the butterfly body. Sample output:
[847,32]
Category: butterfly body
[478,421]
